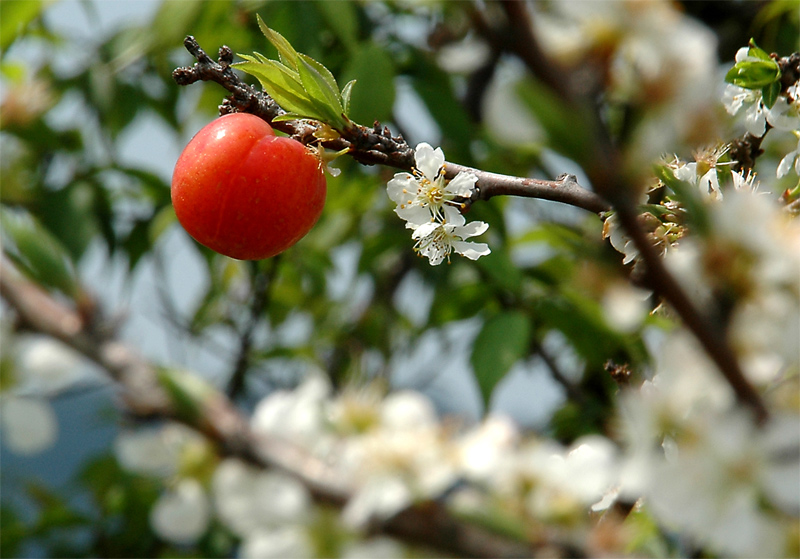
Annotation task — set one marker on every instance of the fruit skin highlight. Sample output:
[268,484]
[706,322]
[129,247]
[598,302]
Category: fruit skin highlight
[244,192]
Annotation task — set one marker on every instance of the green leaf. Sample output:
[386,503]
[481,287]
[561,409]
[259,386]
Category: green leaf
[14,18]
[37,252]
[346,91]
[321,87]
[321,74]
[754,74]
[502,341]
[373,99]
[756,51]
[282,84]
[770,93]
[285,49]
[499,267]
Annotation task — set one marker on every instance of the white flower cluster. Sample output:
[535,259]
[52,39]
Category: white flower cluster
[428,205]
[394,451]
[783,115]
[699,463]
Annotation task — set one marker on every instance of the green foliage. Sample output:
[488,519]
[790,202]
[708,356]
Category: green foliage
[760,73]
[68,186]
[503,340]
[300,84]
[36,252]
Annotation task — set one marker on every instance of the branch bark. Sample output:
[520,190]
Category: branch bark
[370,146]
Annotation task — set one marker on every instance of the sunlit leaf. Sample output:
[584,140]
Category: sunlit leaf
[285,49]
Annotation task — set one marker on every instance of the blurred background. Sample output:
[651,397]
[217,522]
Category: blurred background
[91,125]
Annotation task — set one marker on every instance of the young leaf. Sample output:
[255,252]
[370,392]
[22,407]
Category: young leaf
[756,51]
[770,93]
[348,87]
[754,74]
[285,49]
[319,90]
[283,85]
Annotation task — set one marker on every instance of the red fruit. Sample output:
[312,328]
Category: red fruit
[244,192]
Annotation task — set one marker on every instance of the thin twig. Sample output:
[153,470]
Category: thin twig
[262,282]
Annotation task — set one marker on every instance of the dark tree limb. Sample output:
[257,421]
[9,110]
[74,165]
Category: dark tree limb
[369,146]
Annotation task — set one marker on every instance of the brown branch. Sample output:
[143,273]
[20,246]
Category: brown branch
[428,524]
[705,328]
[564,189]
[370,146]
[608,184]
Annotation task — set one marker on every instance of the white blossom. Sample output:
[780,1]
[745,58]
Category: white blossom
[249,500]
[755,113]
[436,240]
[421,196]
[181,515]
[785,113]
[156,451]
[792,159]
[297,415]
[428,205]
[29,425]
[625,306]
[280,542]
[401,456]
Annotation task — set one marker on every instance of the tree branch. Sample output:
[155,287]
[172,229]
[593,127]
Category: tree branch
[369,146]
[428,524]
[708,331]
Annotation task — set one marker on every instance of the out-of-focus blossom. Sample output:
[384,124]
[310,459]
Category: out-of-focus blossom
[791,160]
[374,548]
[157,451]
[298,415]
[483,449]
[402,458]
[29,425]
[181,515]
[279,542]
[249,499]
[625,307]
[48,366]
[650,55]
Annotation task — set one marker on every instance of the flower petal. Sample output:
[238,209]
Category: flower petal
[473,251]
[462,185]
[414,216]
[453,217]
[429,160]
[471,229]
[425,229]
[402,188]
